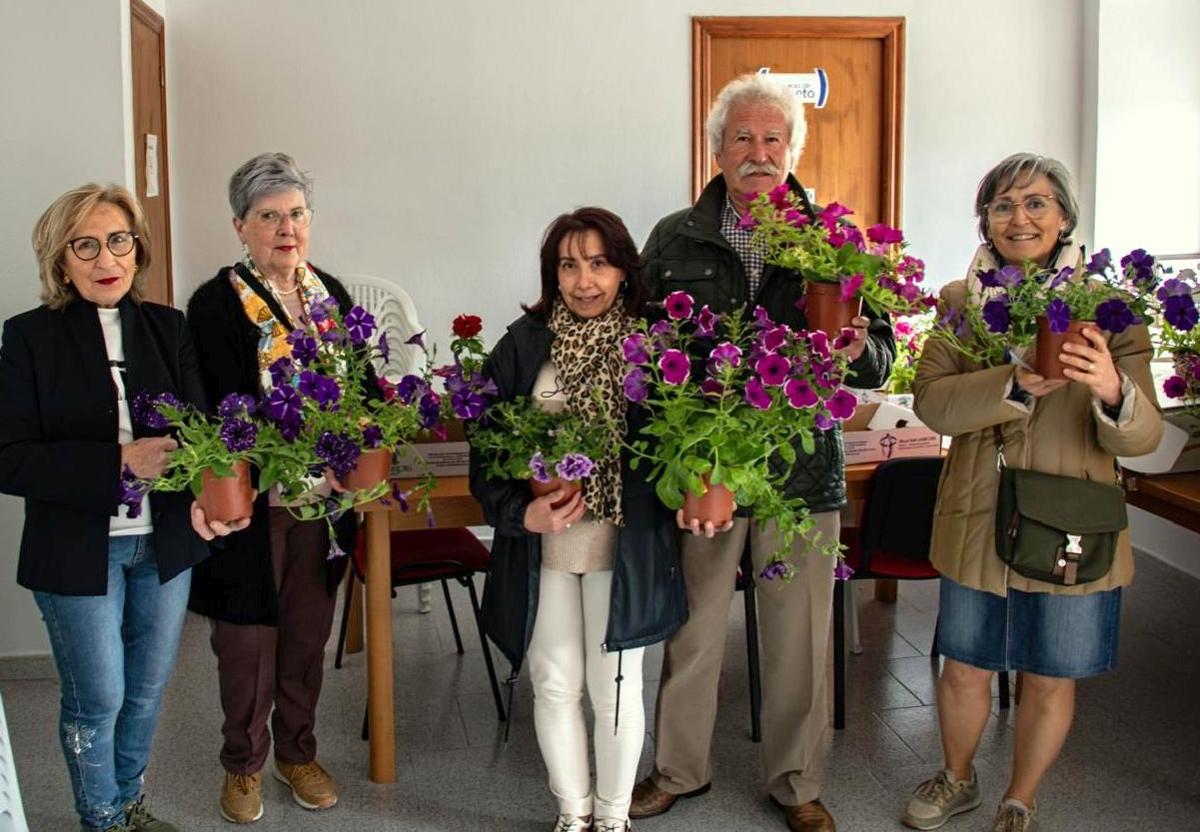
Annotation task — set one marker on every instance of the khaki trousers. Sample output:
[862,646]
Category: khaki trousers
[793,626]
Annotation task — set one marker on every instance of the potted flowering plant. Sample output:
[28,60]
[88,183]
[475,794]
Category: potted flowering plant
[1042,308]
[728,399]
[214,454]
[1180,337]
[911,332]
[325,403]
[841,269]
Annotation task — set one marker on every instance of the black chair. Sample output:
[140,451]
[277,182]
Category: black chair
[424,556]
[892,542]
[745,584]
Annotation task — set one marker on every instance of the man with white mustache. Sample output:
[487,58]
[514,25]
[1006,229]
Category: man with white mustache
[756,128]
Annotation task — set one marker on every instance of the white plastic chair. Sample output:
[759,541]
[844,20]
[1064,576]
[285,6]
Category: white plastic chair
[396,316]
[12,813]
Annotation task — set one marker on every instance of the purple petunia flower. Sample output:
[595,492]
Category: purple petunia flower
[675,366]
[1064,274]
[1100,262]
[338,451]
[360,325]
[987,278]
[1010,276]
[843,571]
[678,305]
[385,351]
[409,387]
[236,404]
[995,314]
[238,434]
[467,404]
[283,404]
[537,465]
[841,405]
[800,393]
[1059,315]
[417,340]
[321,389]
[575,467]
[399,496]
[304,347]
[335,550]
[1140,263]
[145,409]
[282,371]
[429,410]
[774,570]
[725,354]
[773,368]
[756,395]
[130,491]
[634,349]
[1114,316]
[635,385]
[1175,387]
[323,309]
[822,420]
[372,436]
[1180,312]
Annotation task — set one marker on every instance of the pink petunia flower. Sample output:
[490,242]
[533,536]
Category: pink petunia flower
[841,405]
[756,396]
[706,322]
[884,234]
[773,368]
[678,305]
[800,393]
[850,286]
[675,366]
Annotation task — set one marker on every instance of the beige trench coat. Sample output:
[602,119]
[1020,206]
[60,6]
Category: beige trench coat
[1065,432]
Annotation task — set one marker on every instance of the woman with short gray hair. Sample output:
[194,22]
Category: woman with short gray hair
[268,591]
[990,617]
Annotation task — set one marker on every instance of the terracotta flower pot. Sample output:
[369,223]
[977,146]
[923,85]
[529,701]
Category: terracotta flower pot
[371,469]
[825,310]
[541,489]
[715,504]
[226,498]
[1050,344]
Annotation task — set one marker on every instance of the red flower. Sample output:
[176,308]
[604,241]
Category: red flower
[467,326]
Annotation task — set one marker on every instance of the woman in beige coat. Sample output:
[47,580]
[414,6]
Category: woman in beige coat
[991,618]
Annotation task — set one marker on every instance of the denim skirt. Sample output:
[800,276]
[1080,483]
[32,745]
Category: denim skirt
[1068,636]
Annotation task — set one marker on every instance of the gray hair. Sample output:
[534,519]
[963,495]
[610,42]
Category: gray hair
[267,173]
[757,89]
[1018,170]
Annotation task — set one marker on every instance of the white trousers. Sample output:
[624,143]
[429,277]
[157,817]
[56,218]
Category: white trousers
[565,652]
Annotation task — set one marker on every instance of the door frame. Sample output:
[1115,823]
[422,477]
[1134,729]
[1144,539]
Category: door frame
[889,30]
[162,246]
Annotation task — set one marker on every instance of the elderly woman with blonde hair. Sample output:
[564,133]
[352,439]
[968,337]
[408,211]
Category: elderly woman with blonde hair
[109,567]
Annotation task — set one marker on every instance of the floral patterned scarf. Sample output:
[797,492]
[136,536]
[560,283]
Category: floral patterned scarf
[587,355]
[272,338]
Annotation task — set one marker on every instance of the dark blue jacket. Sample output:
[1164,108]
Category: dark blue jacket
[648,602]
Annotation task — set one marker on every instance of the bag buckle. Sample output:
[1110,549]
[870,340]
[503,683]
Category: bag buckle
[1066,560]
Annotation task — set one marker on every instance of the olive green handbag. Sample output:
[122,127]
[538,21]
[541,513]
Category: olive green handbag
[1061,530]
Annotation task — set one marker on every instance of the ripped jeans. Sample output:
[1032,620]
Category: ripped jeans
[114,653]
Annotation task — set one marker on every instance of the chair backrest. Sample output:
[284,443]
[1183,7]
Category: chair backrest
[395,315]
[898,515]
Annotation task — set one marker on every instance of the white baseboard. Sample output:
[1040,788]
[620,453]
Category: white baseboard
[1162,539]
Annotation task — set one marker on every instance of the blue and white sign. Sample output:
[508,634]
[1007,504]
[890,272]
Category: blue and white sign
[810,87]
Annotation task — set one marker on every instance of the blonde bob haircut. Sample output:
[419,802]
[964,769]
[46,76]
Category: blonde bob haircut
[57,226]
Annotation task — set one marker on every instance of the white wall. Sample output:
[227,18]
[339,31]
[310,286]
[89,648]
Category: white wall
[63,124]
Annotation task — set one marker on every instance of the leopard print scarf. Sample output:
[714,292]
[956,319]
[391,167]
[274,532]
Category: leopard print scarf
[587,355]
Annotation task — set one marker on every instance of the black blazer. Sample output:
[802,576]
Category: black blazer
[58,438]
[238,583]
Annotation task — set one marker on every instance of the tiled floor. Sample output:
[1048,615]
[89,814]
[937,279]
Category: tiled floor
[1131,763]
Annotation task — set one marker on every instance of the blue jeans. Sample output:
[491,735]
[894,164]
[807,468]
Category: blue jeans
[115,653]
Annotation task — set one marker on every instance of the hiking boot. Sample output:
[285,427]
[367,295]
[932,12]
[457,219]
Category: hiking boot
[241,797]
[936,801]
[312,787]
[1014,816]
[139,819]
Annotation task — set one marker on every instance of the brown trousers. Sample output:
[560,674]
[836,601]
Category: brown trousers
[260,667]
[793,628]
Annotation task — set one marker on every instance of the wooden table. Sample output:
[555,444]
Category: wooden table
[453,506]
[1174,497]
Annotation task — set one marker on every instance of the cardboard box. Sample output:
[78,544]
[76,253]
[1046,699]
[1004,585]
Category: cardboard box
[449,457]
[867,440]
[1177,452]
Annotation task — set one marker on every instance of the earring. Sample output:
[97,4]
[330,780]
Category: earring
[1063,236]
[245,250]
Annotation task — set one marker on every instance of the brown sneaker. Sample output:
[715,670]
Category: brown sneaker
[241,797]
[312,787]
[807,817]
[650,800]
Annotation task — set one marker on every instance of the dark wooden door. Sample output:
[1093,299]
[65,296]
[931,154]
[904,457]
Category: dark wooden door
[150,144]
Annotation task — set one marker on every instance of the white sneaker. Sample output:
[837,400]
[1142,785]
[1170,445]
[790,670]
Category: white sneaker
[611,825]
[572,823]
[940,798]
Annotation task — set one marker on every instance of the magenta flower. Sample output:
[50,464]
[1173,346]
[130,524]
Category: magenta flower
[761,318]
[779,195]
[884,234]
[841,405]
[832,213]
[725,354]
[635,385]
[773,368]
[844,338]
[678,305]
[800,393]
[634,349]
[675,366]
[796,219]
[756,395]
[774,339]
[711,387]
[1175,387]
[820,342]
[902,328]
[850,286]
[747,222]
[706,322]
